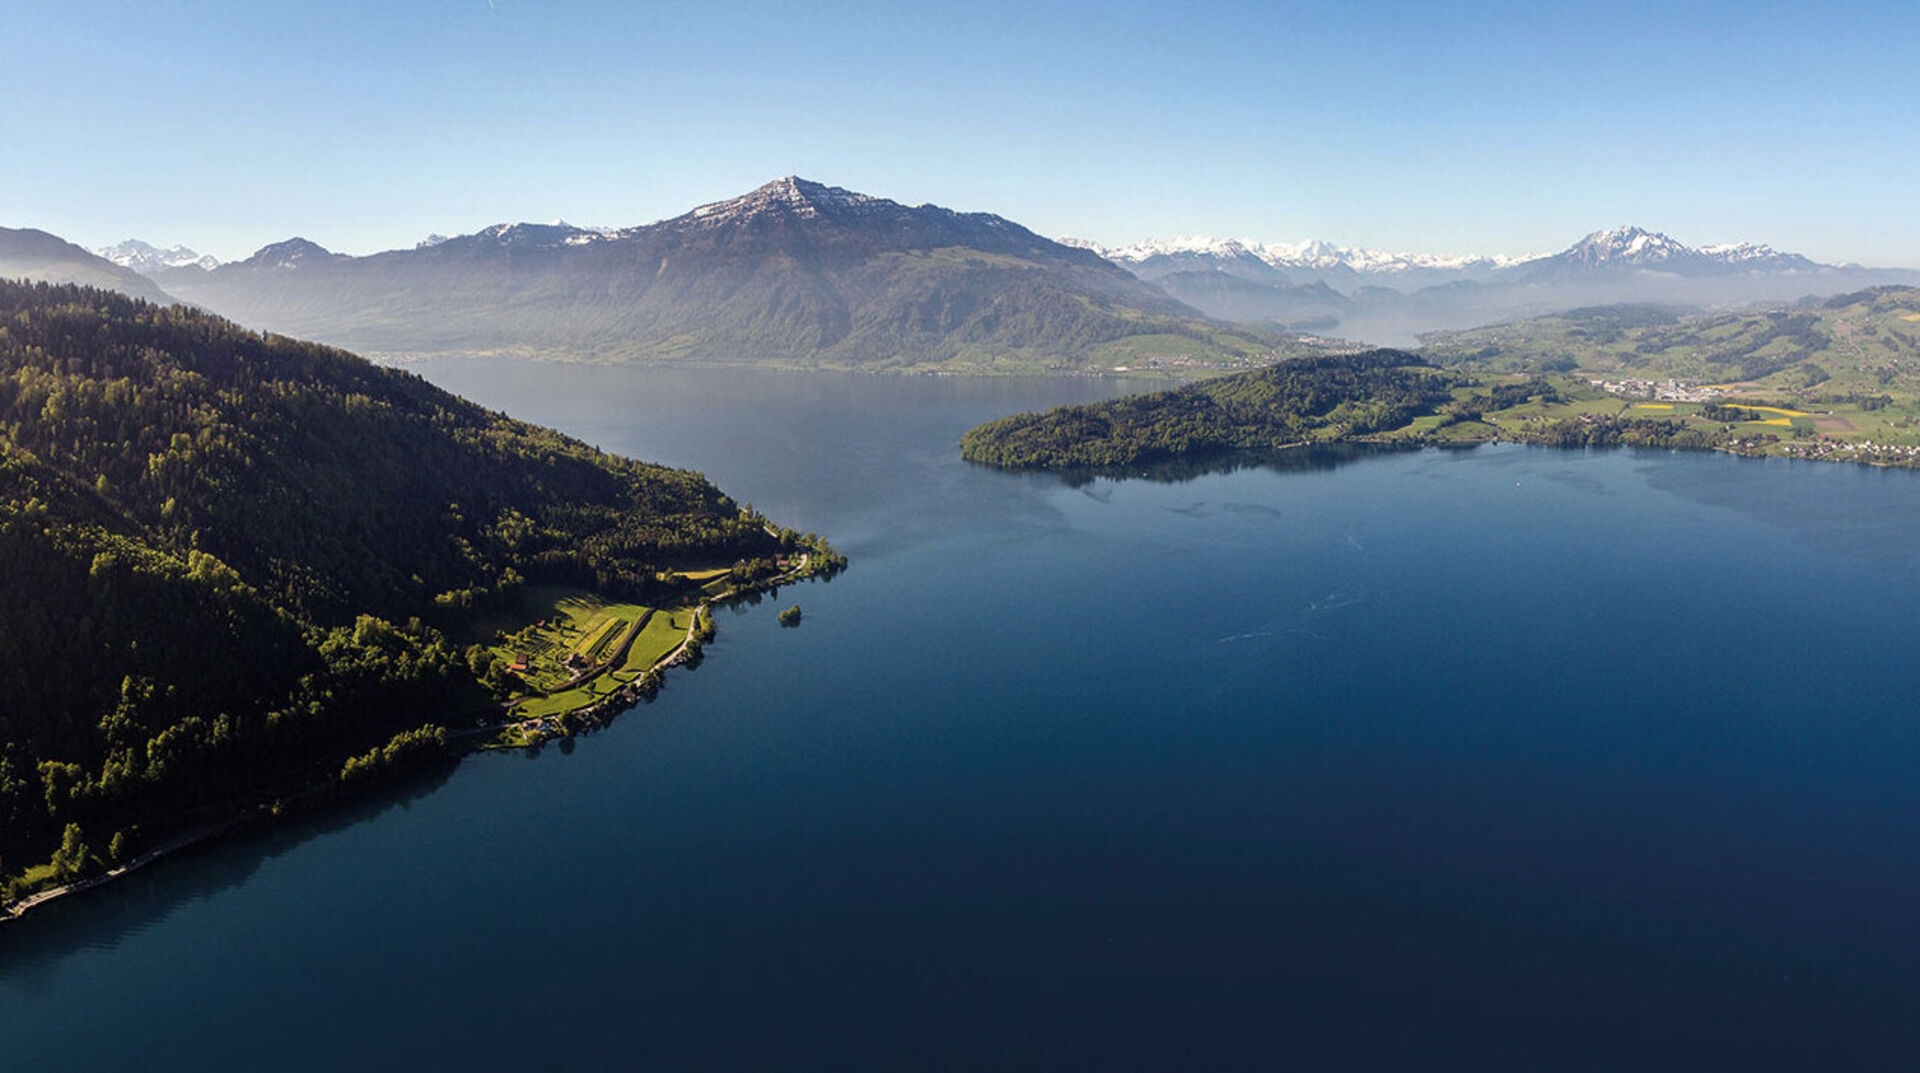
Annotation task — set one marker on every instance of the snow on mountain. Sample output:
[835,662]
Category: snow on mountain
[147,259]
[1313,253]
[1736,252]
[1756,255]
[1626,245]
[1635,247]
[790,195]
[556,232]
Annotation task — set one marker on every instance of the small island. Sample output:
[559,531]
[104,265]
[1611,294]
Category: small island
[791,616]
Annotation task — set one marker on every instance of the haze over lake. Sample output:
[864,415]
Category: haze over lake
[1508,756]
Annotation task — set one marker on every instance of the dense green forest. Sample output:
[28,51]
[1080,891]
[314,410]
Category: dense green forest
[226,557]
[1324,398]
[1382,396]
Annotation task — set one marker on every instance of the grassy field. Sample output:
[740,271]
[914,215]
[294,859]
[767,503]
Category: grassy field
[575,621]
[567,622]
[1851,363]
[663,634]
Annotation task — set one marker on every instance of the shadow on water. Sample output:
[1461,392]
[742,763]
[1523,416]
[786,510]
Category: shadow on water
[103,917]
[1315,459]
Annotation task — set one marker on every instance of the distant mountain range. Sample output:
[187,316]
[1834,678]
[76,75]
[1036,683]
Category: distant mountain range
[802,273]
[149,260]
[1391,298]
[794,272]
[1313,261]
[1344,267]
[35,255]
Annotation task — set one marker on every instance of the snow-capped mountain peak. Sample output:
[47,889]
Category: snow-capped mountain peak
[1637,247]
[1626,245]
[790,195]
[1755,255]
[1311,254]
[147,259]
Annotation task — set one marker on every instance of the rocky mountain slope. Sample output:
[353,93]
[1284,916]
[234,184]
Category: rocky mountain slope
[794,272]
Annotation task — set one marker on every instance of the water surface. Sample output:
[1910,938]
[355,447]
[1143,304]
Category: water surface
[1507,758]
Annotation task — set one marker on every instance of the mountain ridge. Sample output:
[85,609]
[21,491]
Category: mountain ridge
[1394,299]
[791,272]
[31,254]
[1626,244]
[148,259]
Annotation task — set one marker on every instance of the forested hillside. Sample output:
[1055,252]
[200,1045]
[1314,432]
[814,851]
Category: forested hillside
[224,555]
[1306,399]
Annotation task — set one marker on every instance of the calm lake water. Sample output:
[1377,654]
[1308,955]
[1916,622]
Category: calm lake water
[1506,758]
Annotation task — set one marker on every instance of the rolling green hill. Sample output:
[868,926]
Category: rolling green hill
[1867,342]
[1835,380]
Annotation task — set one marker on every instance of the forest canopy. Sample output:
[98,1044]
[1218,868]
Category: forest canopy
[224,555]
[1321,398]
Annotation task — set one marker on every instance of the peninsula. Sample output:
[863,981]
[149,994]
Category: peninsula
[245,573]
[1835,380]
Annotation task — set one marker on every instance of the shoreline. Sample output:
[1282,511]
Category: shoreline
[264,813]
[631,693]
[193,837]
[1232,455]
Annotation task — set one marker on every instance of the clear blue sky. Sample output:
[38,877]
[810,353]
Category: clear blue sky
[1435,126]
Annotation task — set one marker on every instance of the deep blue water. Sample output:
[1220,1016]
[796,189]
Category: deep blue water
[1505,758]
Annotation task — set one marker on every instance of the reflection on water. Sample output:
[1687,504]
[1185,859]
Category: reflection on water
[1224,770]
[102,918]
[1318,458]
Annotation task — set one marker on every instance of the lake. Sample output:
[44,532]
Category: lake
[1501,758]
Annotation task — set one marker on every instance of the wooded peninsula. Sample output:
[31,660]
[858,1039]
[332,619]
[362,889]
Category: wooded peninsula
[245,571]
[1614,376]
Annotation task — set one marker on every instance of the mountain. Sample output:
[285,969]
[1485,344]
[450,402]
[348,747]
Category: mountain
[35,255]
[1394,299]
[1345,268]
[218,550]
[1633,249]
[1153,261]
[150,260]
[794,272]
[1229,296]
[294,253]
[1816,351]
